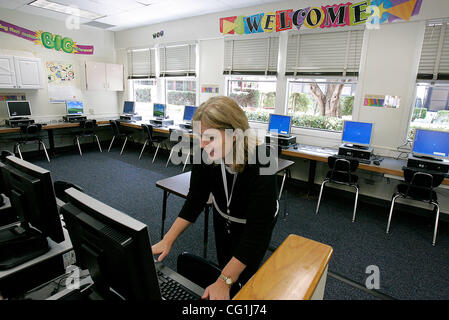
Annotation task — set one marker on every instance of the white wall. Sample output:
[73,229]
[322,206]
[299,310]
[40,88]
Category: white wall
[96,102]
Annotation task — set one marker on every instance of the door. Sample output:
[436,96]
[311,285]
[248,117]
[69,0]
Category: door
[28,72]
[7,74]
[95,75]
[114,77]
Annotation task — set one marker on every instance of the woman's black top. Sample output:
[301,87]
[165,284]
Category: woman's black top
[254,199]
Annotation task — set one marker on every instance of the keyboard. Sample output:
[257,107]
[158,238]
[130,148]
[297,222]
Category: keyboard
[364,161]
[172,290]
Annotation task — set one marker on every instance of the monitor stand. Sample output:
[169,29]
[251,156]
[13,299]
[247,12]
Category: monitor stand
[356,146]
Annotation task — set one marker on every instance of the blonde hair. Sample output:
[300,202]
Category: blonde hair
[223,113]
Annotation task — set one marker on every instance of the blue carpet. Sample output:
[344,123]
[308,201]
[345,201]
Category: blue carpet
[410,267]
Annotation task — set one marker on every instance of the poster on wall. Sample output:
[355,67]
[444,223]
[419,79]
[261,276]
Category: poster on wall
[369,12]
[381,101]
[46,39]
[62,82]
[12,97]
[210,88]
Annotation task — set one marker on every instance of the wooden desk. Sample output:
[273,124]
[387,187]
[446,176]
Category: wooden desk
[388,166]
[297,270]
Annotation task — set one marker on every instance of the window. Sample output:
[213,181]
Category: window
[144,93]
[431,109]
[179,93]
[256,95]
[320,103]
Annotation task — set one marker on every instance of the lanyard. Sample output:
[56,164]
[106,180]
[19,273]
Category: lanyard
[225,184]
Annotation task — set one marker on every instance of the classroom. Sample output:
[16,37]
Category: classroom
[112,112]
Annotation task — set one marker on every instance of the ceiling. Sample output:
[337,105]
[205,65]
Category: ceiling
[125,14]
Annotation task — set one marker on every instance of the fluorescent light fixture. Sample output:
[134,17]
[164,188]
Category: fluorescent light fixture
[62,8]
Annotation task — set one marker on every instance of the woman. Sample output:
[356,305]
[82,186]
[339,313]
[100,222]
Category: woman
[245,201]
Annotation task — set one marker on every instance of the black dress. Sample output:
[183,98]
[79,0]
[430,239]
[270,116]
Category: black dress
[254,198]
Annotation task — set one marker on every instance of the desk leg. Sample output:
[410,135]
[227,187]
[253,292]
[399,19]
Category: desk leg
[164,212]
[311,182]
[206,230]
[51,141]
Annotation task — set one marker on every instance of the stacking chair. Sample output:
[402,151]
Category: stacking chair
[30,134]
[340,173]
[177,146]
[150,139]
[419,185]
[115,125]
[87,130]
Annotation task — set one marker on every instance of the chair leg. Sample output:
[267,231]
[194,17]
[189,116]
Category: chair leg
[169,157]
[112,141]
[187,159]
[155,153]
[319,197]
[45,150]
[126,139]
[20,153]
[391,212]
[436,224]
[143,148]
[98,142]
[355,204]
[79,147]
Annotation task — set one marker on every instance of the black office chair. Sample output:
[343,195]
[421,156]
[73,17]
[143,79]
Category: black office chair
[201,271]
[150,139]
[87,130]
[340,173]
[179,145]
[419,186]
[115,125]
[30,134]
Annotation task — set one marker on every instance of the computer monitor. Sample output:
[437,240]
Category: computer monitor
[159,110]
[74,107]
[30,190]
[115,248]
[279,124]
[189,111]
[128,107]
[357,134]
[18,108]
[431,144]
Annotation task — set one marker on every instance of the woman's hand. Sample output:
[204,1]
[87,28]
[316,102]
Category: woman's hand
[162,248]
[219,290]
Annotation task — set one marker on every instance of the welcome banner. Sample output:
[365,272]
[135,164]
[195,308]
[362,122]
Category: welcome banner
[331,16]
[46,39]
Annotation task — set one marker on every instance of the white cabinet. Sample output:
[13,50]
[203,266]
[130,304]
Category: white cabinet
[20,72]
[104,76]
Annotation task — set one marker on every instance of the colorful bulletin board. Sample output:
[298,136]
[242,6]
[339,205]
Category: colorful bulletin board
[372,12]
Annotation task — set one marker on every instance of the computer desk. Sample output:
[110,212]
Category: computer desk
[297,270]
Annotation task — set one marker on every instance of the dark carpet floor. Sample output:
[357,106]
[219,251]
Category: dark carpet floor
[410,267]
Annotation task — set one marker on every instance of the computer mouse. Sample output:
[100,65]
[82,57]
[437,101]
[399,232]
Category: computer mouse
[376,162]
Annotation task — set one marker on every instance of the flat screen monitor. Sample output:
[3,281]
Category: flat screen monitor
[115,248]
[18,108]
[357,134]
[159,110]
[30,190]
[279,124]
[128,107]
[74,107]
[432,144]
[189,111]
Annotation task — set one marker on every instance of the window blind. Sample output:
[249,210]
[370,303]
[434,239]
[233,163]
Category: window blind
[434,61]
[326,53]
[257,56]
[141,64]
[179,60]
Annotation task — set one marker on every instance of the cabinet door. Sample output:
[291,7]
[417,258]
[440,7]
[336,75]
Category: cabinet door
[95,75]
[7,74]
[28,72]
[114,77]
